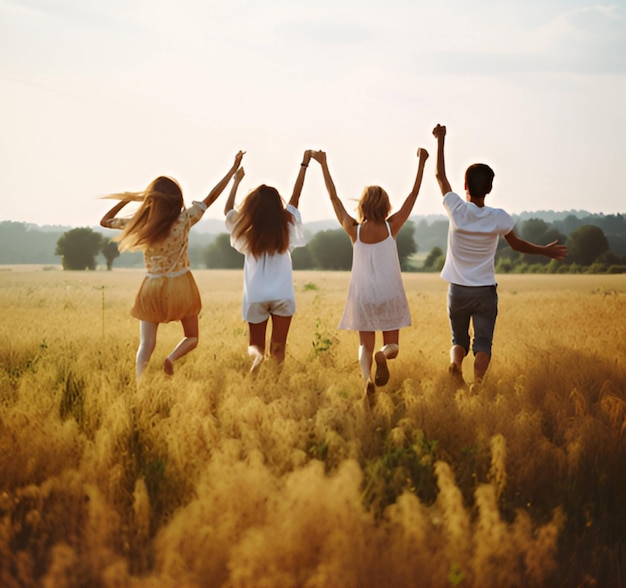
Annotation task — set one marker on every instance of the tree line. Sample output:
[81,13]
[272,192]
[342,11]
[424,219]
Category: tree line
[328,250]
[597,244]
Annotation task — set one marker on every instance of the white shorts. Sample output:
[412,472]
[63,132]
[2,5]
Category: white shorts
[258,312]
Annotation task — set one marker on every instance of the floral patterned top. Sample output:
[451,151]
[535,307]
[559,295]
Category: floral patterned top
[169,256]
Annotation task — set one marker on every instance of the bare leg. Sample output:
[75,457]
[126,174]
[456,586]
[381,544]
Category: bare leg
[389,350]
[367,340]
[278,341]
[391,339]
[147,343]
[457,354]
[481,363]
[187,344]
[256,343]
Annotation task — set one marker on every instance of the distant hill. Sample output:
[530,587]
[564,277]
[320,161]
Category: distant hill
[24,243]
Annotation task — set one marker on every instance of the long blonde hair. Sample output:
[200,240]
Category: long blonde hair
[373,205]
[161,204]
[264,222]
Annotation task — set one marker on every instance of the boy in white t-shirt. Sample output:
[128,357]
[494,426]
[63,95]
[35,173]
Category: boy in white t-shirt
[469,267]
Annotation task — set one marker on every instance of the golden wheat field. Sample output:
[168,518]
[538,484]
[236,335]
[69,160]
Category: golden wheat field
[216,478]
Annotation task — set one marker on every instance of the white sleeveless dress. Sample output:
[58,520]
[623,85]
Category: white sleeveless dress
[376,298]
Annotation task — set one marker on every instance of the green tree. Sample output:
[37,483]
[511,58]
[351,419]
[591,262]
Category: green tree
[586,244]
[301,258]
[405,242]
[20,243]
[78,248]
[110,251]
[571,223]
[534,229]
[222,255]
[540,232]
[435,259]
[331,250]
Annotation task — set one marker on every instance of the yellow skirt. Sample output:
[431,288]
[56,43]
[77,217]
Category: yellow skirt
[165,299]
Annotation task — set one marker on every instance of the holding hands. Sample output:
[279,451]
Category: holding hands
[238,159]
[297,188]
[319,156]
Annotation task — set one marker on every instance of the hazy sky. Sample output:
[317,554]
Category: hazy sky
[100,96]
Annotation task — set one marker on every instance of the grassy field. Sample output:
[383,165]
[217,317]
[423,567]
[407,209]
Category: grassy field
[214,477]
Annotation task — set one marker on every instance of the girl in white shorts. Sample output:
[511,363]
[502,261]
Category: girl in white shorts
[265,231]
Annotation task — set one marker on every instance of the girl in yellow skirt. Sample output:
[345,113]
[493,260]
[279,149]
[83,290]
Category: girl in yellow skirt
[160,228]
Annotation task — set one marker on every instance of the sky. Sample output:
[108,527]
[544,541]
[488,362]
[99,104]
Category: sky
[102,96]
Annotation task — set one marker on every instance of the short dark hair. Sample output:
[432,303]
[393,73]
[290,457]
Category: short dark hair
[479,180]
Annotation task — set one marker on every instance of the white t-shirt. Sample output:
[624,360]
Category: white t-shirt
[270,276]
[472,241]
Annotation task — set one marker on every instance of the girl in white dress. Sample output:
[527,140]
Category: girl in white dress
[265,231]
[376,300]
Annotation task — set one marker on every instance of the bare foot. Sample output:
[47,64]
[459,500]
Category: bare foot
[382,371]
[476,387]
[168,366]
[455,370]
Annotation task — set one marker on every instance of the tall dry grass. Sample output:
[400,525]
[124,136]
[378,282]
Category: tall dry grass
[216,478]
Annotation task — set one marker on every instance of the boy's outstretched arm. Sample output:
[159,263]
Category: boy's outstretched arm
[399,218]
[440,172]
[348,223]
[297,188]
[219,188]
[230,201]
[554,249]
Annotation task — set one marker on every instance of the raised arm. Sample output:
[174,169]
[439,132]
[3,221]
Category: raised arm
[440,171]
[105,221]
[399,218]
[348,223]
[554,249]
[230,202]
[297,188]
[219,188]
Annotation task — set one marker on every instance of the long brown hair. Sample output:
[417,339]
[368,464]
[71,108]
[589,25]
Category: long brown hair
[161,205]
[264,222]
[373,205]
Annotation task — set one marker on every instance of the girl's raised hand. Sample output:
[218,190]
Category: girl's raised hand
[422,153]
[239,157]
[239,174]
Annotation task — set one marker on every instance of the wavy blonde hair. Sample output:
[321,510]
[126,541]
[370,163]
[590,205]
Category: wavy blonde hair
[264,222]
[161,204]
[374,205]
